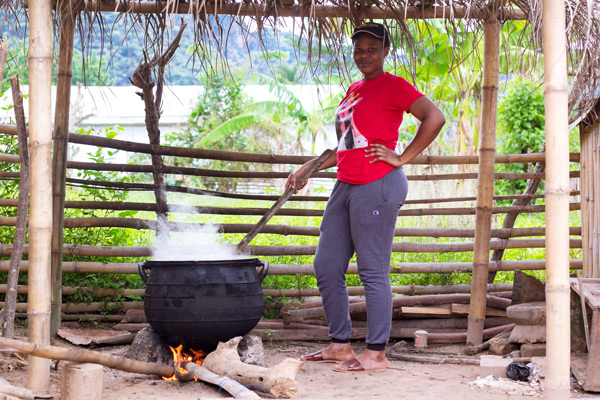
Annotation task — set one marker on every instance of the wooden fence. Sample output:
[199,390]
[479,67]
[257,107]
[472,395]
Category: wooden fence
[504,238]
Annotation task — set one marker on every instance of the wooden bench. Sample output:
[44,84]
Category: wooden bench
[585,332]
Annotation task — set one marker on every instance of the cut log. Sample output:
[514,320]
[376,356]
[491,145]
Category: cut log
[462,337]
[278,381]
[489,311]
[88,356]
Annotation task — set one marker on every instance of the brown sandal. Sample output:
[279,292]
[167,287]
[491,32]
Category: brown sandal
[317,356]
[354,366]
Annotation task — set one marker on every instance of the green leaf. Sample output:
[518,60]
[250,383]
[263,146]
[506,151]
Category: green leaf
[236,123]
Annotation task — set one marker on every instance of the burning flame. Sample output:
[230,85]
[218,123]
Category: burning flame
[179,357]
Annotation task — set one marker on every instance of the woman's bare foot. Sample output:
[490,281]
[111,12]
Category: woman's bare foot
[370,360]
[335,352]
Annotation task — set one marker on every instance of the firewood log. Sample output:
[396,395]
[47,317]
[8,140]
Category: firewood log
[18,392]
[88,356]
[232,387]
[278,381]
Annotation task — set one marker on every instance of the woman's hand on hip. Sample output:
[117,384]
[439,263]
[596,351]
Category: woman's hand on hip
[380,152]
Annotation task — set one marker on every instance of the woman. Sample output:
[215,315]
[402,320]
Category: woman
[362,210]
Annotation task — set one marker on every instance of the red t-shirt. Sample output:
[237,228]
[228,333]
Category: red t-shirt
[371,112]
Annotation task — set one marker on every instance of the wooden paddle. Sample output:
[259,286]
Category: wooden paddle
[286,195]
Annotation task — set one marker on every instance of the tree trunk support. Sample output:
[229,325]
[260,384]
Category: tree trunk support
[8,324]
[40,221]
[558,334]
[485,181]
[59,159]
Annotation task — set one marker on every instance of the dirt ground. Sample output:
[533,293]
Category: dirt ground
[403,380]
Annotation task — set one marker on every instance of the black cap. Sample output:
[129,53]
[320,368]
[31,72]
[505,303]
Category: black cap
[375,29]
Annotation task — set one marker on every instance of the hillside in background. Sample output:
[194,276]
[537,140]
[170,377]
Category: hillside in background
[124,51]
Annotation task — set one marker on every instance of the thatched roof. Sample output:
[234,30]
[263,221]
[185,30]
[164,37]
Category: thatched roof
[324,25]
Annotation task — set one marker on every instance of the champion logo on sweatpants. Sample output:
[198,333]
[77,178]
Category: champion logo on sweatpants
[375,212]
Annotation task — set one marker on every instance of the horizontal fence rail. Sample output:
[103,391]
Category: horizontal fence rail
[403,247]
[88,267]
[126,206]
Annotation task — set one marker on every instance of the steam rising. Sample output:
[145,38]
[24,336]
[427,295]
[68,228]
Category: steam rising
[193,243]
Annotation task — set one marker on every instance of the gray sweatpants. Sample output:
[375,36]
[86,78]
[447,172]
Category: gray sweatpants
[361,219]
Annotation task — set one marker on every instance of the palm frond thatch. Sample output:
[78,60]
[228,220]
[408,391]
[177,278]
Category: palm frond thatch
[322,26]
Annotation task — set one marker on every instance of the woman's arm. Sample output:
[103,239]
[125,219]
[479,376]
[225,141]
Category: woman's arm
[292,180]
[432,120]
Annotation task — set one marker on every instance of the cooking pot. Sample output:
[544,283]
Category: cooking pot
[201,303]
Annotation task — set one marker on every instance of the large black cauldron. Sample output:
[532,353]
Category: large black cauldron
[200,303]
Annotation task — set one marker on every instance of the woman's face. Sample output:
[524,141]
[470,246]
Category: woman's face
[369,55]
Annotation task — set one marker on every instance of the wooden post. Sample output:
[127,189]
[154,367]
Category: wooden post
[587,133]
[142,78]
[59,158]
[558,335]
[485,181]
[22,210]
[40,221]
[590,193]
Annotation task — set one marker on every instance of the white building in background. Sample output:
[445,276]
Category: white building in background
[98,107]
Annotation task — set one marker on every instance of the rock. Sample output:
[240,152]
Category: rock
[502,346]
[134,316]
[533,350]
[251,350]
[493,365]
[527,289]
[527,313]
[528,334]
[148,346]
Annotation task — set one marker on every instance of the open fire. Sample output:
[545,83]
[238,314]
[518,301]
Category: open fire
[179,357]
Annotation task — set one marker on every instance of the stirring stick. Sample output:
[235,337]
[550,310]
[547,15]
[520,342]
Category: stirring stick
[286,195]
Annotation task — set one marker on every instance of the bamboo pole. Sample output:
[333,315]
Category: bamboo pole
[485,183]
[118,144]
[397,247]
[589,196]
[59,157]
[300,11]
[40,222]
[286,230]
[127,206]
[595,186]
[84,356]
[91,307]
[306,269]
[174,170]
[184,189]
[22,211]
[558,333]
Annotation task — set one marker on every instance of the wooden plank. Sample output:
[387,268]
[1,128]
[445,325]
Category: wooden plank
[489,312]
[440,310]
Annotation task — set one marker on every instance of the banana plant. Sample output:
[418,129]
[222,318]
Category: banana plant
[276,115]
[449,69]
